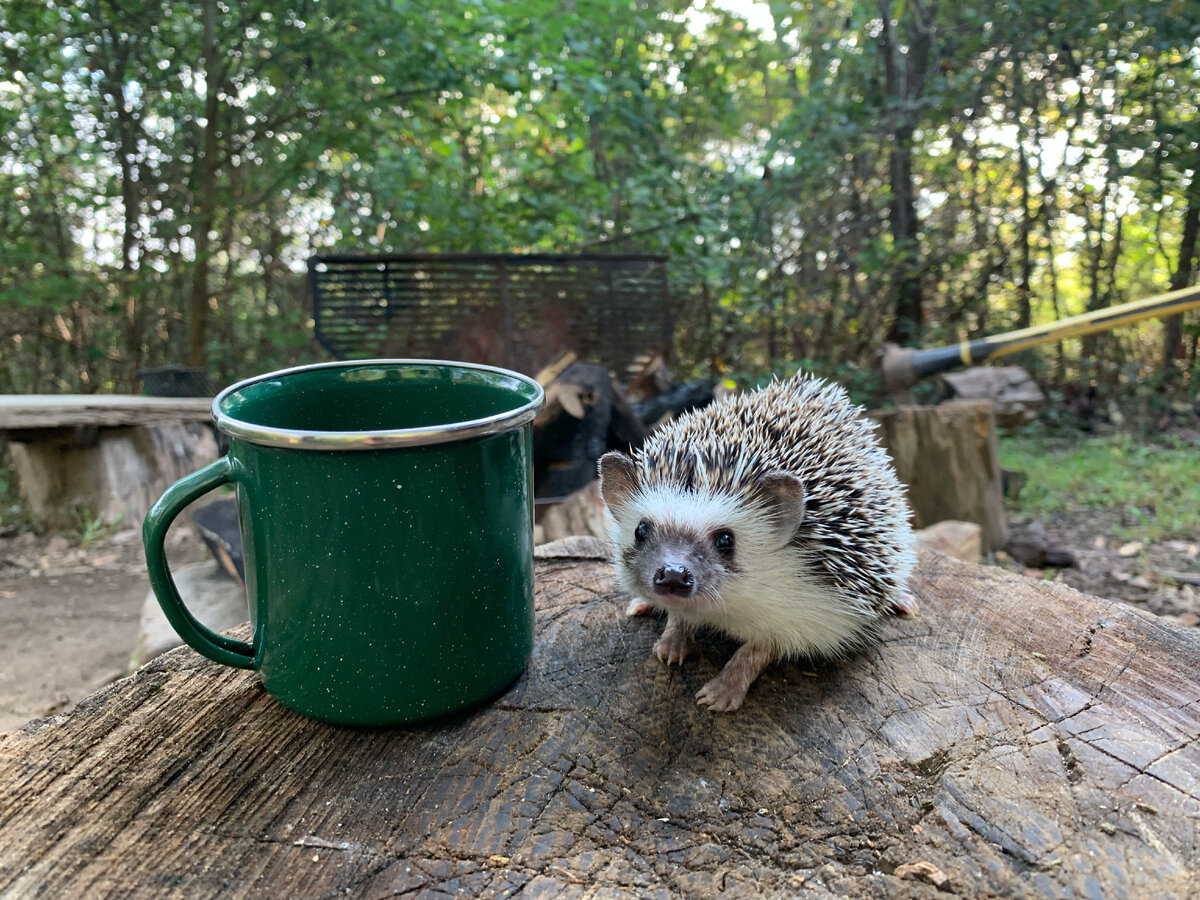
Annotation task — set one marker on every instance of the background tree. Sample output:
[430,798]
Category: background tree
[854,170]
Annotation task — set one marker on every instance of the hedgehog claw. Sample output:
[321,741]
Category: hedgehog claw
[675,643]
[905,605]
[719,695]
[639,607]
[671,651]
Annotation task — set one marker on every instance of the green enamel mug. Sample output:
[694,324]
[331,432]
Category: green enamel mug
[386,511]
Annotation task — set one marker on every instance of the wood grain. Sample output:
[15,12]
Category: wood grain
[33,411]
[1017,739]
[116,477]
[947,458]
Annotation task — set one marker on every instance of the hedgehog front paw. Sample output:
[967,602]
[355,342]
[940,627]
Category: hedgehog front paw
[722,694]
[726,692]
[675,643]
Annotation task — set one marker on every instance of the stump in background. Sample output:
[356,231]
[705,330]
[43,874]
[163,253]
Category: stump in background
[579,513]
[111,474]
[82,458]
[947,456]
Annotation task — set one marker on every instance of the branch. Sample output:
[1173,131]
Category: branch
[637,232]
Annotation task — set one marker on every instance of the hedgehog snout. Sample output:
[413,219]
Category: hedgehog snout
[675,580]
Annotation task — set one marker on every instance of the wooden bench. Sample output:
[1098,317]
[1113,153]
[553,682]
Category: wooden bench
[103,458]
[1016,739]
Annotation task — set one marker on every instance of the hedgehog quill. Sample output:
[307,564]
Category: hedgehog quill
[772,516]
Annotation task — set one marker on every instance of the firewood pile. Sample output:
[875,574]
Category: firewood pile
[1013,391]
[589,412]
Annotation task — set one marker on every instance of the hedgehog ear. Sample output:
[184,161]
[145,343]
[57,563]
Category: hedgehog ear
[784,495]
[618,479]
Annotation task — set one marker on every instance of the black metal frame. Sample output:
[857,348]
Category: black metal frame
[514,310]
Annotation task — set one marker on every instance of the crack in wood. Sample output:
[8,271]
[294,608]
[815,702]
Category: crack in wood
[1070,763]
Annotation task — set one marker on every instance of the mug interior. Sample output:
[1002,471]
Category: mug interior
[375,396]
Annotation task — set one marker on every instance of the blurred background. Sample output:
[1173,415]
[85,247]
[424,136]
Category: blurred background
[823,176]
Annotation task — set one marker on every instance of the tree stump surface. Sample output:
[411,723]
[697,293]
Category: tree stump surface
[1016,739]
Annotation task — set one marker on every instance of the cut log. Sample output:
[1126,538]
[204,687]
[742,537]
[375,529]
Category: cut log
[211,595]
[962,540]
[653,377]
[547,374]
[585,415]
[1030,545]
[1016,395]
[113,478]
[580,513]
[1017,739]
[218,526]
[948,458]
[25,411]
[676,400]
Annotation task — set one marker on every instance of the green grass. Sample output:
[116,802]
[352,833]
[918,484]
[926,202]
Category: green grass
[1150,487]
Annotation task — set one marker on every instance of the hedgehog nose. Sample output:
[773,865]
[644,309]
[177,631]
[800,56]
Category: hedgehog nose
[672,579]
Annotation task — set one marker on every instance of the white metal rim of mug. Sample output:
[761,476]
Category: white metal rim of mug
[268,436]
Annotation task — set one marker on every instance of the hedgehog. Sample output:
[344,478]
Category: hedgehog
[774,517]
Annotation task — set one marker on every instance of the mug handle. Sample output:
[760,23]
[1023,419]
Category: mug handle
[215,646]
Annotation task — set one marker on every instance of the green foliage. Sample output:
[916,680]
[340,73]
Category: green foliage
[865,386]
[10,503]
[156,181]
[1152,481]
[91,527]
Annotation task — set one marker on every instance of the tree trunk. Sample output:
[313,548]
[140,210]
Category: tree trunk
[1025,275]
[1102,267]
[905,69]
[125,133]
[1189,248]
[203,195]
[909,299]
[1047,217]
[1094,231]
[131,204]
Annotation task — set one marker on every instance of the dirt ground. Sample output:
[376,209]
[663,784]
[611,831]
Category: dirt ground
[1161,577]
[69,614]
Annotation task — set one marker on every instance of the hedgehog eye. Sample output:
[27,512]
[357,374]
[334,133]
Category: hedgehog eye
[723,541]
[641,532]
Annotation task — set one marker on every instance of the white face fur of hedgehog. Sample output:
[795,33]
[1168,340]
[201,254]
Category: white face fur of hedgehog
[773,516]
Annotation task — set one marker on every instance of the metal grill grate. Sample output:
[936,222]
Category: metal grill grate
[517,311]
